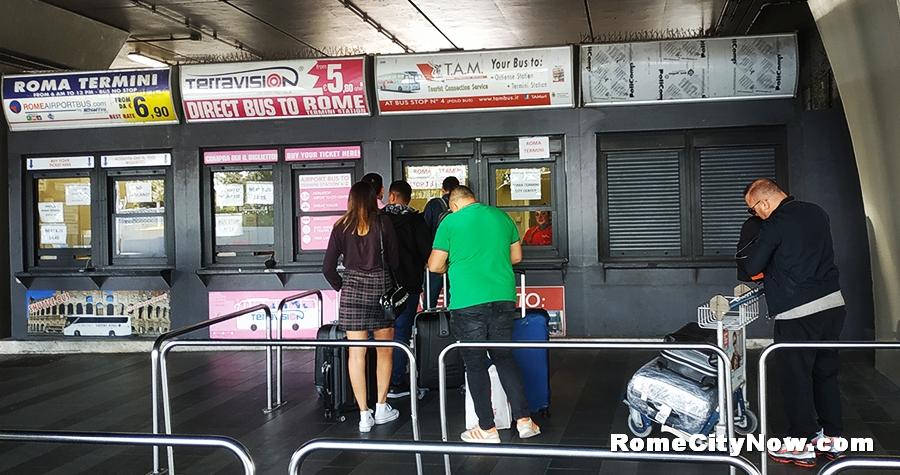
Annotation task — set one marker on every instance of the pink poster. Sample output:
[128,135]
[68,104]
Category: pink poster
[349,152]
[300,318]
[240,156]
[315,232]
[324,192]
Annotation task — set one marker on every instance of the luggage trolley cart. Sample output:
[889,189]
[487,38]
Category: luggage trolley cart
[680,403]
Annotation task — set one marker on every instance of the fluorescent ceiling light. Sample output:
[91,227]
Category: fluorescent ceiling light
[138,57]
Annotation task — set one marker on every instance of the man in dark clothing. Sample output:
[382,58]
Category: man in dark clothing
[377,182]
[435,210]
[794,250]
[414,241]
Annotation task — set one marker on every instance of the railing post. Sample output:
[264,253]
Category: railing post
[816,345]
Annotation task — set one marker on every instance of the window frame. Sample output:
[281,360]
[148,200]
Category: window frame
[483,156]
[285,249]
[242,253]
[689,144]
[100,254]
[354,167]
[135,174]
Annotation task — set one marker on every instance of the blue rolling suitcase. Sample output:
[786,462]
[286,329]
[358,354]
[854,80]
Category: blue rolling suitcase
[534,362]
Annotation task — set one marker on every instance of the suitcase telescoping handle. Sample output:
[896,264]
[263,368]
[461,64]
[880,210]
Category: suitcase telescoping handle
[522,291]
[428,290]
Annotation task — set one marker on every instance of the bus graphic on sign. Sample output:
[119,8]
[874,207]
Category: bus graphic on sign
[97,325]
[407,81]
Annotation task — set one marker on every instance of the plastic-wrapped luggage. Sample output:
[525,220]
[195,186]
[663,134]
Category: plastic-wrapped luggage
[667,398]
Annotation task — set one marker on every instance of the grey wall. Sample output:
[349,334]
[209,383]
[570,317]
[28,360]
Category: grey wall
[601,300]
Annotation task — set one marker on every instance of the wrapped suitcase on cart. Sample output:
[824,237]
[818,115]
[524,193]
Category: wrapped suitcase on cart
[735,313]
[668,398]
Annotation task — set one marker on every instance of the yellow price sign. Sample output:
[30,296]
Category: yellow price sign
[151,106]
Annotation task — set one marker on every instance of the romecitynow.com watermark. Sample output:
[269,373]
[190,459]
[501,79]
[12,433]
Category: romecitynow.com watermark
[703,443]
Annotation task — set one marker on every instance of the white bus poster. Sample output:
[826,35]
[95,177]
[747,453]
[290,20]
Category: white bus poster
[98,313]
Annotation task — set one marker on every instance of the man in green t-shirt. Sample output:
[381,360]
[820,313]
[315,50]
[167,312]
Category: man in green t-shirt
[479,244]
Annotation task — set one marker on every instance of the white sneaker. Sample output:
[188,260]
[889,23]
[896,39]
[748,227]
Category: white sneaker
[366,421]
[527,428]
[826,446]
[791,451]
[384,413]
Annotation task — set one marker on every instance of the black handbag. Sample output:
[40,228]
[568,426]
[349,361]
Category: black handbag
[393,300]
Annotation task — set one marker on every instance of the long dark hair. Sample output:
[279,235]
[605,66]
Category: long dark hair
[362,207]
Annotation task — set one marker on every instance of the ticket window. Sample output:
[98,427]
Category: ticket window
[426,180]
[320,199]
[243,212]
[138,220]
[525,192]
[63,218]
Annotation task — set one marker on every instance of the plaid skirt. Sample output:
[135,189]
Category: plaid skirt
[359,308]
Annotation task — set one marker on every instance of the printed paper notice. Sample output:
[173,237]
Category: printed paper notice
[138,192]
[231,194]
[54,234]
[229,225]
[260,193]
[525,183]
[78,194]
[51,212]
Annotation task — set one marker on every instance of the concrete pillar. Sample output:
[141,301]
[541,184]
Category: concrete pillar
[862,39]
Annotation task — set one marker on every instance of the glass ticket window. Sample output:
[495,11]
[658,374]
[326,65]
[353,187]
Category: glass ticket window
[526,194]
[139,219]
[244,209]
[426,181]
[64,216]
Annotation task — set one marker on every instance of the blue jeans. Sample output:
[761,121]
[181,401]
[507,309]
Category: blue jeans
[402,331]
[485,322]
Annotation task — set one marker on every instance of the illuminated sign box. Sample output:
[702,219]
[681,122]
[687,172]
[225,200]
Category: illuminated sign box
[487,80]
[88,99]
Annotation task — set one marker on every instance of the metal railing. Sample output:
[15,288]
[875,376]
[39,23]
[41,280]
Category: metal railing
[113,438]
[529,450]
[878,463]
[278,352]
[812,345]
[155,366]
[169,345]
[590,345]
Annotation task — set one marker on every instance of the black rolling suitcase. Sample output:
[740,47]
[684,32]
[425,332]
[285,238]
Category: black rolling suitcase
[333,379]
[696,365]
[431,334]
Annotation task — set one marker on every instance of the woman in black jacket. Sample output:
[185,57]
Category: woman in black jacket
[358,236]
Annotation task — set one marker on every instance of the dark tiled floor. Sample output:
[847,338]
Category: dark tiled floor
[224,394]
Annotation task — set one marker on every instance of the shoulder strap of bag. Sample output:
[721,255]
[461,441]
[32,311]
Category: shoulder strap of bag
[383,259]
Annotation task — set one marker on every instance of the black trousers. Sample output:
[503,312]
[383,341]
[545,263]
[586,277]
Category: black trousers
[809,377]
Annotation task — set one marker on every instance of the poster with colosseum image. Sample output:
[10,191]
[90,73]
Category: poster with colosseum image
[101,313]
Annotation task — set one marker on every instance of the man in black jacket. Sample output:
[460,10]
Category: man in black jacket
[794,250]
[414,240]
